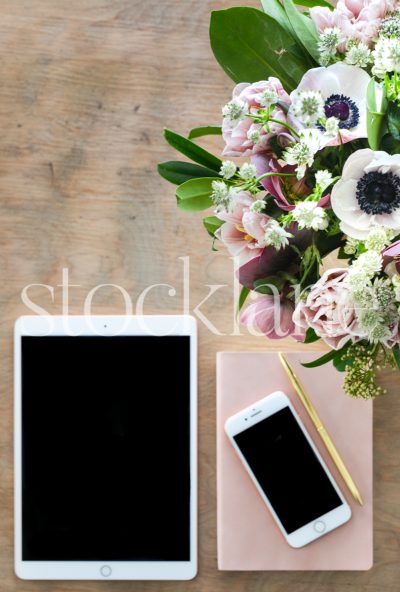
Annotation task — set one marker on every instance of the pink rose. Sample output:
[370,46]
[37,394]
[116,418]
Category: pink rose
[243,230]
[330,311]
[273,316]
[239,134]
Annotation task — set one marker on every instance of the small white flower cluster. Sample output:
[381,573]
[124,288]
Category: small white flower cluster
[223,196]
[376,299]
[308,214]
[302,152]
[236,109]
[268,98]
[328,44]
[358,54]
[247,172]
[228,169]
[275,236]
[308,107]
[386,56]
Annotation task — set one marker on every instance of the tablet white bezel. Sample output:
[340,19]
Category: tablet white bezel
[107,326]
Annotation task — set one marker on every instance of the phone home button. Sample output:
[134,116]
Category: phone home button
[319,526]
[106,571]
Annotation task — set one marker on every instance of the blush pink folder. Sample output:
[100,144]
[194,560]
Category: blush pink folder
[248,538]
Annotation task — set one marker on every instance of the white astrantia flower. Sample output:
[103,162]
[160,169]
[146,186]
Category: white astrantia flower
[223,196]
[236,109]
[396,286]
[351,246]
[308,106]
[343,89]
[386,56]
[368,263]
[248,171]
[275,236]
[254,135]
[359,55]
[257,206]
[378,238]
[268,97]
[302,153]
[368,193]
[308,214]
[328,43]
[332,126]
[323,179]
[228,169]
[390,26]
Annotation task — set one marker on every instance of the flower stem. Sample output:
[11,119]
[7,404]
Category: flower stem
[289,127]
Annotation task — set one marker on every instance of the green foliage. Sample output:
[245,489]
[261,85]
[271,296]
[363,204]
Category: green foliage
[177,172]
[195,195]
[244,292]
[334,354]
[394,120]
[269,285]
[311,336]
[250,46]
[211,224]
[375,116]
[192,150]
[312,3]
[304,28]
[208,130]
[396,355]
[390,145]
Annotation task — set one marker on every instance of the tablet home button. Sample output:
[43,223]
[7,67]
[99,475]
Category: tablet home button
[319,526]
[106,571]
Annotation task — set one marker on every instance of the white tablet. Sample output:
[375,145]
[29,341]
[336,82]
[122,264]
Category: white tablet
[105,448]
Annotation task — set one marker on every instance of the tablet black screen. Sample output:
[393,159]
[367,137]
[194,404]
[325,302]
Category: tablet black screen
[106,448]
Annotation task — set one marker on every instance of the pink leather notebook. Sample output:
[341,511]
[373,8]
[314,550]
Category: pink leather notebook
[248,538]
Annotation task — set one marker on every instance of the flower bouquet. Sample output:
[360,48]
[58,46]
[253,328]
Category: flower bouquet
[315,113]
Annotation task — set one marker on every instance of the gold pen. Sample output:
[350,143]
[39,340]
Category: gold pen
[312,412]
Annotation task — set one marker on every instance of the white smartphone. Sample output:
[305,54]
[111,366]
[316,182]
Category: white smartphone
[287,469]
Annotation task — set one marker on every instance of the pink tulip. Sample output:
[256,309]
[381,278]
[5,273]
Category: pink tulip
[272,315]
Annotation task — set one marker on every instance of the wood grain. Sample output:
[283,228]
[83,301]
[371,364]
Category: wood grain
[86,88]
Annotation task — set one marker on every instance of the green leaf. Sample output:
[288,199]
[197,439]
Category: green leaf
[192,150]
[178,172]
[394,120]
[311,336]
[328,357]
[211,224]
[340,364]
[195,195]
[334,354]
[390,145]
[250,46]
[375,116]
[209,130]
[304,28]
[276,11]
[269,285]
[312,3]
[342,254]
[244,292]
[396,355]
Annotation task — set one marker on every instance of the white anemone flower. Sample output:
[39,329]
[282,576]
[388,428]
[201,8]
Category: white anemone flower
[343,89]
[368,194]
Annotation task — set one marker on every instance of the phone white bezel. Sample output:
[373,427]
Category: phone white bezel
[252,415]
[107,326]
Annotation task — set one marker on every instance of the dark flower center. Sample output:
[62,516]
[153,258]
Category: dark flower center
[378,193]
[344,109]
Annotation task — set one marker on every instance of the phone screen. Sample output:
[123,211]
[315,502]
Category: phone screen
[106,448]
[288,470]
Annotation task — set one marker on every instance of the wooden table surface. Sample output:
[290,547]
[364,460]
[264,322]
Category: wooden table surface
[86,88]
